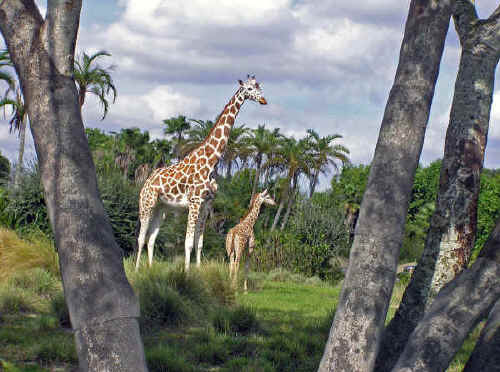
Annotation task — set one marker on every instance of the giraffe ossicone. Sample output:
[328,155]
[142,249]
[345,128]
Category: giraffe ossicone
[189,183]
[241,234]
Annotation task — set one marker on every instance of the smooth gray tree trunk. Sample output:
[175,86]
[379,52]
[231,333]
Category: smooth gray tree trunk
[102,306]
[359,320]
[453,225]
[456,311]
[486,353]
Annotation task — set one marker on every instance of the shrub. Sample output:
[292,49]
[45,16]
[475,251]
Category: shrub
[163,359]
[240,320]
[26,208]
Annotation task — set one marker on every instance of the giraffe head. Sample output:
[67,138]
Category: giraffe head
[252,90]
[265,198]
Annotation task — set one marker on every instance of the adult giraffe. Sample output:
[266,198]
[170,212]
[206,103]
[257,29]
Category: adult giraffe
[188,183]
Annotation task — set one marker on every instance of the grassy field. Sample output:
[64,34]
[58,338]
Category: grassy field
[189,322]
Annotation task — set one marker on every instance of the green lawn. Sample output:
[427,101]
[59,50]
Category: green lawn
[282,324]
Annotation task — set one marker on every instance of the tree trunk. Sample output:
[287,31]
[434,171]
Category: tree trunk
[102,306]
[291,199]
[20,156]
[359,320]
[257,174]
[453,225]
[313,183]
[278,213]
[456,310]
[485,356]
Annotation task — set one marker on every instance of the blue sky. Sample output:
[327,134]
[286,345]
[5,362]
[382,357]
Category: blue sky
[325,65]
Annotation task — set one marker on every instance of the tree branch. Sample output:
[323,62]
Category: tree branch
[63,17]
[457,309]
[464,16]
[20,22]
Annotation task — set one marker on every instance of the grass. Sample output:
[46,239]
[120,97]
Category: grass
[189,321]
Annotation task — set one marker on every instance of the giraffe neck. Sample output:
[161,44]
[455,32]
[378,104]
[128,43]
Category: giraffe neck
[252,215]
[217,139]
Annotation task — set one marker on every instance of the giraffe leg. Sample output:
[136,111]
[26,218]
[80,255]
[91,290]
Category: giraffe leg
[200,229]
[251,244]
[141,239]
[194,210]
[155,223]
[238,243]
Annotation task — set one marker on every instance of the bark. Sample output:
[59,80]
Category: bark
[453,225]
[102,306]
[457,309]
[359,320]
[485,356]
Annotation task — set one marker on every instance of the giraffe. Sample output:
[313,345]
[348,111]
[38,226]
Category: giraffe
[242,233]
[188,183]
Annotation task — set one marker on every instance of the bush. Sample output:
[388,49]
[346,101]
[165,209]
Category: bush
[163,359]
[314,241]
[240,320]
[26,210]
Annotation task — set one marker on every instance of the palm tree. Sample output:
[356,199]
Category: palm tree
[17,123]
[293,158]
[237,147]
[4,74]
[260,144]
[324,154]
[91,78]
[177,126]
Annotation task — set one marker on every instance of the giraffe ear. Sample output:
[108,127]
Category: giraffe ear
[264,192]
[240,81]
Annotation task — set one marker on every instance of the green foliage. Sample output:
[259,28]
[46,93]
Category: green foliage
[488,208]
[350,185]
[316,238]
[25,209]
[4,169]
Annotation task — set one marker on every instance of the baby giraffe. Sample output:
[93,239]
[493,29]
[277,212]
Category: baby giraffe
[238,236]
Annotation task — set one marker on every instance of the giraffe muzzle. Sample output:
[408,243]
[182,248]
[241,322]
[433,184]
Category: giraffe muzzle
[262,101]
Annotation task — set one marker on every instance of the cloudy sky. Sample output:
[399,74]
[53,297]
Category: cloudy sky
[325,65]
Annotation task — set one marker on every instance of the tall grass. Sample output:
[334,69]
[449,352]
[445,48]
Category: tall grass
[19,255]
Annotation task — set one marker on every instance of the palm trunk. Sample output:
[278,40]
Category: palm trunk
[257,174]
[291,199]
[278,213]
[453,224]
[357,328]
[102,305]
[313,183]
[20,157]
